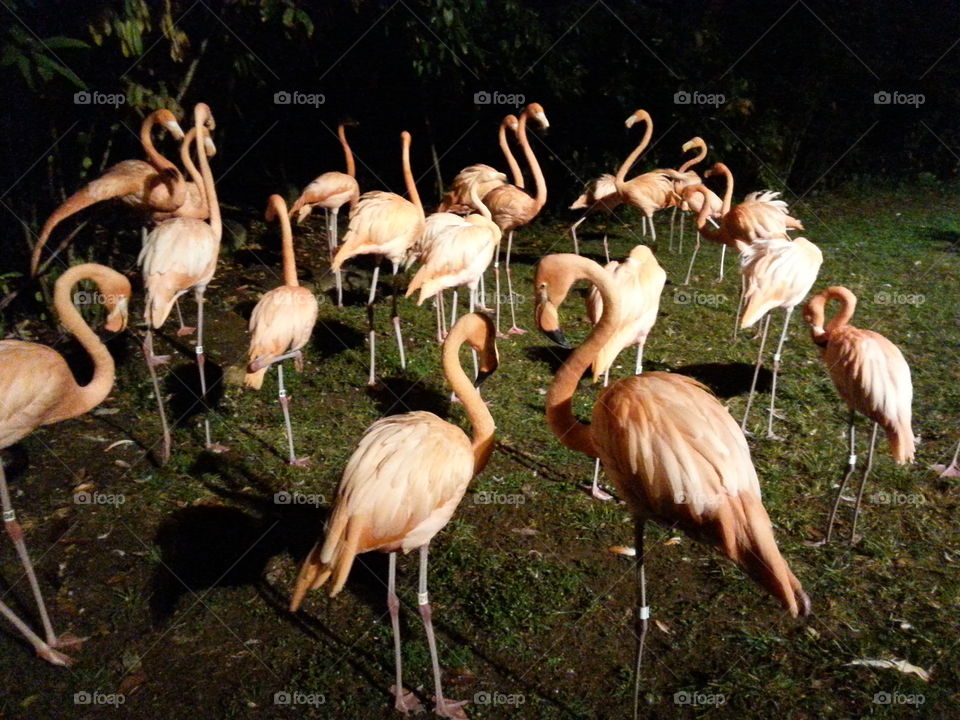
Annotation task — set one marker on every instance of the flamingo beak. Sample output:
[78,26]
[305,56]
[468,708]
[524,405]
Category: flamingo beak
[630,121]
[557,337]
[209,146]
[117,319]
[481,376]
[542,117]
[174,128]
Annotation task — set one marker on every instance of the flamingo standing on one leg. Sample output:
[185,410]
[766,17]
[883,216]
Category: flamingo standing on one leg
[777,273]
[686,177]
[673,451]
[181,254]
[639,281]
[483,177]
[331,191]
[281,323]
[871,375]
[38,388]
[387,225]
[155,185]
[600,195]
[401,486]
[513,207]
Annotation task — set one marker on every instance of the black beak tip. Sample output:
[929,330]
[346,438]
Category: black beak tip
[557,337]
[481,376]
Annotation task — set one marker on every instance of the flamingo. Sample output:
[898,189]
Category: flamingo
[331,191]
[513,207]
[458,252]
[180,254]
[686,177]
[599,195]
[650,191]
[387,225]
[871,375]
[401,486]
[281,323]
[153,186]
[484,177]
[639,281]
[777,273]
[706,205]
[674,452]
[38,388]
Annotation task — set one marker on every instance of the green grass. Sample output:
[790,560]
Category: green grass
[544,616]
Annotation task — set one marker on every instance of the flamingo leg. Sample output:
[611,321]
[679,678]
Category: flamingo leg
[643,225]
[444,707]
[372,335]
[950,470]
[406,701]
[201,362]
[653,229]
[596,491]
[606,248]
[514,330]
[723,256]
[483,293]
[473,302]
[736,322]
[184,329]
[152,362]
[851,464]
[673,220]
[682,216]
[332,242]
[285,406]
[573,233]
[642,612]
[439,314]
[696,249]
[453,309]
[496,279]
[756,372]
[395,316]
[863,482]
[443,316]
[776,370]
[638,368]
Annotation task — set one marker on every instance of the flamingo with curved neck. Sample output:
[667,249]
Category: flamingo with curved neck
[181,254]
[513,207]
[871,375]
[38,388]
[387,225]
[281,323]
[673,451]
[401,487]
[153,187]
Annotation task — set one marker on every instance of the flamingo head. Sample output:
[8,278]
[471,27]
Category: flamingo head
[169,121]
[116,298]
[481,335]
[554,277]
[694,143]
[275,206]
[636,117]
[535,111]
[717,169]
[511,122]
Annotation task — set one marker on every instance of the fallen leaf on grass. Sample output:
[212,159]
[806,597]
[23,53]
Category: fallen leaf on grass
[112,445]
[623,550]
[894,664]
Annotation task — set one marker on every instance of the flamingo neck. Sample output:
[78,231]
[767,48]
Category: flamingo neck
[697,159]
[477,411]
[347,152]
[210,190]
[848,303]
[408,178]
[538,179]
[508,155]
[88,396]
[187,161]
[570,431]
[170,174]
[478,203]
[632,157]
[728,190]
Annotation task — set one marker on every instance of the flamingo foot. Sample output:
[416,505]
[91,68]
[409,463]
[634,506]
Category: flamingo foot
[816,543]
[597,492]
[406,701]
[303,462]
[502,336]
[53,657]
[774,436]
[217,448]
[158,360]
[185,330]
[69,641]
[946,470]
[517,331]
[452,709]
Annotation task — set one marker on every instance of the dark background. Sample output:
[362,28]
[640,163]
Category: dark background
[799,81]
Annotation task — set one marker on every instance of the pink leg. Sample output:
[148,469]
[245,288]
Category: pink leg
[184,330]
[285,405]
[514,330]
[152,362]
[201,362]
[445,708]
[396,320]
[756,372]
[406,701]
[373,338]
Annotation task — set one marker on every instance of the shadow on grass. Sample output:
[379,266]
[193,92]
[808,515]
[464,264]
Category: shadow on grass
[395,395]
[727,380]
[331,337]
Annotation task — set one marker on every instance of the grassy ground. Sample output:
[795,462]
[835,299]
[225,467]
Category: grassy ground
[182,588]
